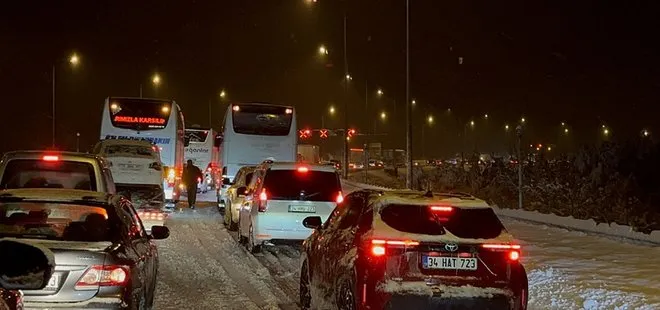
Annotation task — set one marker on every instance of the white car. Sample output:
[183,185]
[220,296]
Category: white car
[235,196]
[132,161]
[280,196]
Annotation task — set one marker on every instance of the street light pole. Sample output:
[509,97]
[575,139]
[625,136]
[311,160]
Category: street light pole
[53,111]
[409,155]
[345,164]
[520,164]
[77,142]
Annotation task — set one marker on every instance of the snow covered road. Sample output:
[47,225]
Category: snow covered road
[203,267]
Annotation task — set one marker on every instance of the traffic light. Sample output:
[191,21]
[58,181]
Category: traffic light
[323,133]
[351,133]
[301,134]
[308,133]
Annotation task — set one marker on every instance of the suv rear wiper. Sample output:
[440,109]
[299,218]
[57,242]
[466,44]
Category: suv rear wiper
[310,195]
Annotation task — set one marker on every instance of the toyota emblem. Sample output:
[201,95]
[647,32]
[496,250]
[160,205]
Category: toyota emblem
[451,247]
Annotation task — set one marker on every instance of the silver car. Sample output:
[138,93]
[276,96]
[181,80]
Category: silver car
[104,259]
[236,195]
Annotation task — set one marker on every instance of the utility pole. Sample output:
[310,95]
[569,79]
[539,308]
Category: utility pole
[519,132]
[53,112]
[346,76]
[409,155]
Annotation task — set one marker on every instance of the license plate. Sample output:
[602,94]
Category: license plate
[302,209]
[130,166]
[53,283]
[453,263]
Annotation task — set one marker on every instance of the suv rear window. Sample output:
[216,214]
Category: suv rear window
[294,185]
[480,223]
[32,173]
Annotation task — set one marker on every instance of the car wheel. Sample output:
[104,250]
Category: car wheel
[305,293]
[249,243]
[227,217]
[345,298]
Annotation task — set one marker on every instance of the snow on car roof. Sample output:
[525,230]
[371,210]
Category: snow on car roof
[414,198]
[54,194]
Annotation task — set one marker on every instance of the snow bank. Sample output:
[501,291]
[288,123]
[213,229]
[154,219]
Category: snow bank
[613,230]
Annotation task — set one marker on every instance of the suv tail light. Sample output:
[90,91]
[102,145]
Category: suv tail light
[340,198]
[379,246]
[263,200]
[103,275]
[512,250]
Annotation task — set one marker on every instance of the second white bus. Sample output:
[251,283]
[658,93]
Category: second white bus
[158,121]
[204,150]
[253,133]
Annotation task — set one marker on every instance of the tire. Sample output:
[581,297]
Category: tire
[305,295]
[249,242]
[227,217]
[345,296]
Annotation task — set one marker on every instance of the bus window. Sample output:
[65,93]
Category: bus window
[197,135]
[139,114]
[262,120]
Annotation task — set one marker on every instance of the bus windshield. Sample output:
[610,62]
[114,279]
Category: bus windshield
[262,120]
[139,114]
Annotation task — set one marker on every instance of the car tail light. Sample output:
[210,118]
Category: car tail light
[156,166]
[199,180]
[263,200]
[513,250]
[446,209]
[303,169]
[158,216]
[103,275]
[340,198]
[379,246]
[51,158]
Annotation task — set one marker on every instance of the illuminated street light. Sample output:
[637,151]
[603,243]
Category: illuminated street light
[522,120]
[383,115]
[74,60]
[645,133]
[606,131]
[331,110]
[430,119]
[413,102]
[549,148]
[565,130]
[506,127]
[155,79]
[349,77]
[486,116]
[563,124]
[379,92]
[472,123]
[223,94]
[323,50]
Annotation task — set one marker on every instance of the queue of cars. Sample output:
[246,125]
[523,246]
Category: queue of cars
[379,249]
[68,203]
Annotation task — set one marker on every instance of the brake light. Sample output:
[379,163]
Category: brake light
[51,158]
[379,246]
[303,169]
[263,200]
[236,108]
[512,249]
[100,275]
[340,198]
[158,216]
[442,208]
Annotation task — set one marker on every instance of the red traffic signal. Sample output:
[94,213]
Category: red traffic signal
[351,133]
[301,134]
[323,133]
[308,133]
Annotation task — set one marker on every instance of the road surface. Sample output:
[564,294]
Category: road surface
[203,267]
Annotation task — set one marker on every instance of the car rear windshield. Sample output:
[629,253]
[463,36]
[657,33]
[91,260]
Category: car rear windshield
[481,223]
[129,150]
[33,173]
[55,221]
[296,185]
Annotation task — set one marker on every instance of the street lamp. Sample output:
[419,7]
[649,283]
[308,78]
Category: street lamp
[74,60]
[430,119]
[383,115]
[506,127]
[323,50]
[379,92]
[331,110]
[348,77]
[414,102]
[522,120]
[606,131]
[223,94]
[563,124]
[645,133]
[486,116]
[565,131]
[156,79]
[471,123]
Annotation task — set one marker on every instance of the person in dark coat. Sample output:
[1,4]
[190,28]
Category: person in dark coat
[191,175]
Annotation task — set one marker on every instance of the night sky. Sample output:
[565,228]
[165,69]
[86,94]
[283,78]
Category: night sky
[586,63]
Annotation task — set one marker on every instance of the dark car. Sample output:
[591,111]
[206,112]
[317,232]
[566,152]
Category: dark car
[411,250]
[104,259]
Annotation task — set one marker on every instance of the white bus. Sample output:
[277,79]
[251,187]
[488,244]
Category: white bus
[204,150]
[158,121]
[253,133]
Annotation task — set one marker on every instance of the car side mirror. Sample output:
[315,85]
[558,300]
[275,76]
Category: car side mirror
[159,232]
[241,191]
[313,222]
[27,268]
[226,181]
[218,141]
